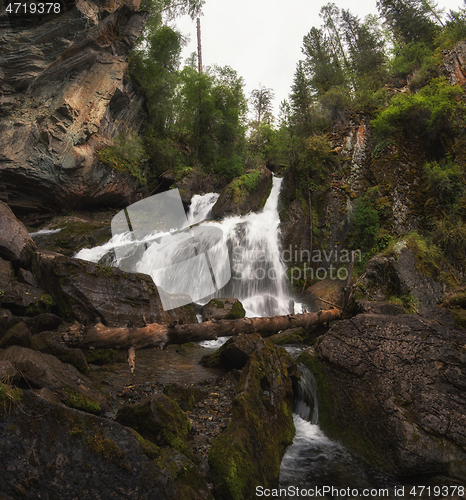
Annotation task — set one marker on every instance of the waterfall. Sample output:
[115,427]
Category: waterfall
[250,246]
[200,207]
[305,400]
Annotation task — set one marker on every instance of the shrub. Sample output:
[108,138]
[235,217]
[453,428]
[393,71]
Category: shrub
[127,154]
[443,183]
[434,110]
[366,225]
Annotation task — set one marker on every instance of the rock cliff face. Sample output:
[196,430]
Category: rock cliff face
[63,95]
[392,389]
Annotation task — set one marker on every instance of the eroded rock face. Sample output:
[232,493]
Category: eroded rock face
[393,389]
[15,243]
[454,64]
[397,275]
[64,96]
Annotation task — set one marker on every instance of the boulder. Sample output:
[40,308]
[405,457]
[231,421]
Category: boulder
[85,291]
[57,452]
[187,396]
[249,452]
[294,335]
[234,353]
[331,290]
[15,243]
[20,298]
[223,309]
[242,196]
[44,370]
[18,334]
[392,388]
[160,420]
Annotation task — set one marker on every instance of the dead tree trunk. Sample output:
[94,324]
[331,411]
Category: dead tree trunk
[155,335]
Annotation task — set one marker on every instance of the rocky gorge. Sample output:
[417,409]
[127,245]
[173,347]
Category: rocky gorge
[76,423]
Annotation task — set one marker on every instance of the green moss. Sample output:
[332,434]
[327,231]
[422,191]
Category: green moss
[237,311]
[81,402]
[100,356]
[43,304]
[150,449]
[104,271]
[218,303]
[99,444]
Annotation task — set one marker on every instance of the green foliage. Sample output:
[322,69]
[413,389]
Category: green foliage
[366,223]
[444,184]
[432,111]
[127,154]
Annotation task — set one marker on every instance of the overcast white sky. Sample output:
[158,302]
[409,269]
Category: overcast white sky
[262,39]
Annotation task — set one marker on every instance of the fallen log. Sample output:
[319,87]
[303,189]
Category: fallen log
[154,335]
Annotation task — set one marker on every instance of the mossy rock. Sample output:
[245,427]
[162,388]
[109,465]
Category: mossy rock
[160,420]
[223,309]
[100,356]
[187,396]
[234,353]
[10,396]
[290,336]
[18,334]
[250,450]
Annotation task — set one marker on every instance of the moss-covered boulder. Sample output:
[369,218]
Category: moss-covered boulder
[19,334]
[291,336]
[187,396]
[234,353]
[392,389]
[65,453]
[249,452]
[160,420]
[223,309]
[244,194]
[40,370]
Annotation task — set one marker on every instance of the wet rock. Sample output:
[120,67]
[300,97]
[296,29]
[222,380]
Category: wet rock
[392,388]
[50,343]
[237,199]
[158,419]
[223,309]
[17,335]
[290,336]
[330,290]
[234,353]
[15,243]
[92,457]
[44,370]
[250,450]
[86,291]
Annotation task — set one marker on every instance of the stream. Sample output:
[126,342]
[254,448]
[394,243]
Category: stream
[312,462]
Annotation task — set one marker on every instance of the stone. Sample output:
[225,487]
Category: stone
[236,199]
[331,290]
[8,372]
[223,309]
[65,381]
[396,275]
[453,66]
[186,396]
[15,243]
[16,335]
[85,291]
[160,420]
[392,389]
[234,353]
[249,452]
[93,457]
[291,336]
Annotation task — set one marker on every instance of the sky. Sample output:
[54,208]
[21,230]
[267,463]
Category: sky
[262,39]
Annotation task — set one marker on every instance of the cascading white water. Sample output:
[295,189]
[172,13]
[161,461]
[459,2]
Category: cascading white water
[200,207]
[313,460]
[252,250]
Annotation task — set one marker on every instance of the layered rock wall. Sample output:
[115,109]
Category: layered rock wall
[63,95]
